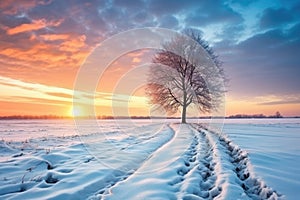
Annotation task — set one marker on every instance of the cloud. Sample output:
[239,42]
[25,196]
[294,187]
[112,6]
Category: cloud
[35,25]
[265,63]
[272,103]
[46,41]
[169,21]
[136,60]
[13,90]
[266,104]
[272,18]
[278,100]
[60,94]
[43,53]
[132,5]
[73,45]
[168,7]
[11,7]
[53,37]
[210,12]
[244,3]
[37,100]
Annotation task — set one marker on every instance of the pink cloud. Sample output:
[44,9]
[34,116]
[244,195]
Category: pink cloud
[12,7]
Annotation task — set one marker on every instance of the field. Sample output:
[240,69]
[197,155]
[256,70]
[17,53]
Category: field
[144,159]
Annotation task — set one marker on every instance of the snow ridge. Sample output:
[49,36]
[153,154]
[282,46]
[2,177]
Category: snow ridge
[150,144]
[176,161]
[238,166]
[199,181]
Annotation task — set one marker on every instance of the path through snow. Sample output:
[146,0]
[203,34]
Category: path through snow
[179,161]
[195,164]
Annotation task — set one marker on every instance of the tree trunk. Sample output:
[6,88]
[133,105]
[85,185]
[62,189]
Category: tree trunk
[183,115]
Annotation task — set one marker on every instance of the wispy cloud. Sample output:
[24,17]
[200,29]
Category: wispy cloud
[272,103]
[60,94]
[34,25]
[53,37]
[285,101]
[73,45]
[288,105]
[11,7]
[19,91]
[11,88]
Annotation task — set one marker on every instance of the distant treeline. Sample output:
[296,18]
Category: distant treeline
[238,116]
[135,117]
[81,117]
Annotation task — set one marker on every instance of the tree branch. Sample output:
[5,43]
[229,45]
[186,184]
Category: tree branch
[170,92]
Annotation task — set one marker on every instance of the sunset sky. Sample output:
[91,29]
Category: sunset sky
[44,43]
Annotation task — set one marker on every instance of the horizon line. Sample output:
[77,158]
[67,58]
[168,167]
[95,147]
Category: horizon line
[51,116]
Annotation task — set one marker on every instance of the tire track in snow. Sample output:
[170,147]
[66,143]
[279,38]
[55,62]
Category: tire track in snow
[158,178]
[101,194]
[198,175]
[207,166]
[241,167]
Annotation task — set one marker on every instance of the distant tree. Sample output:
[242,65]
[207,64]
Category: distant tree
[194,75]
[278,115]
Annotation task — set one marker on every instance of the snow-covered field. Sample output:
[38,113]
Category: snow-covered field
[53,159]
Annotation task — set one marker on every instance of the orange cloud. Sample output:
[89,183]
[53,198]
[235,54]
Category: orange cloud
[42,63]
[18,92]
[73,45]
[47,55]
[12,7]
[53,37]
[31,108]
[60,94]
[136,60]
[39,52]
[35,25]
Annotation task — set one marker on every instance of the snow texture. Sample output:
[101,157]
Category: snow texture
[152,161]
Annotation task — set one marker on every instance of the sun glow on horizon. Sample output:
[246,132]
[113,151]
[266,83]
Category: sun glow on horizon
[76,112]
[26,98]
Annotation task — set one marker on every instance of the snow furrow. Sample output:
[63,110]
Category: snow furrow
[148,146]
[235,170]
[200,180]
[72,172]
[176,161]
[160,176]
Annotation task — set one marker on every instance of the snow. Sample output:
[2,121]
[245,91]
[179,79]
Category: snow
[51,159]
[274,150]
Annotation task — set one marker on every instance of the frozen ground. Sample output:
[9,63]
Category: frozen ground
[274,150]
[252,159]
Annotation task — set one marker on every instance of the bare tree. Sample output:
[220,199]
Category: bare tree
[186,71]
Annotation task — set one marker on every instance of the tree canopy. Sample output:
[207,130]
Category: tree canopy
[186,71]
